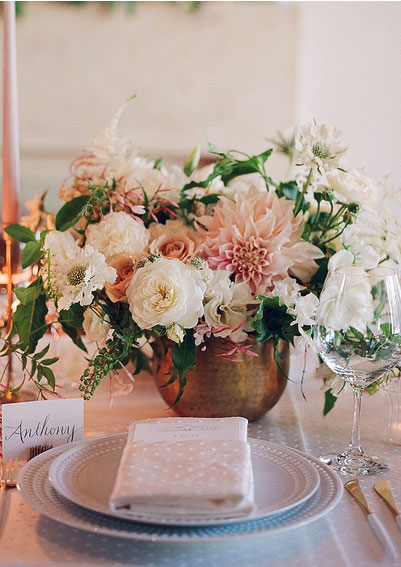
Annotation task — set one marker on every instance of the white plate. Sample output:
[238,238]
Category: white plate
[283,480]
[40,494]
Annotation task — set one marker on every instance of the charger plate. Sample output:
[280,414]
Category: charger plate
[40,494]
[283,479]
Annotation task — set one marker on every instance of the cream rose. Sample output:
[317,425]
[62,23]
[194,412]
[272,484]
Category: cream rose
[96,325]
[118,234]
[353,186]
[166,292]
[174,240]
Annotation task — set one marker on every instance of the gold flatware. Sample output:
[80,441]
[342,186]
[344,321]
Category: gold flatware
[384,491]
[9,469]
[354,488]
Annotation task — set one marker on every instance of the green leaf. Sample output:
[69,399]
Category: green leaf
[142,362]
[229,167]
[289,189]
[73,317]
[20,233]
[49,361]
[31,254]
[74,335]
[210,199]
[158,164]
[30,323]
[273,321]
[184,358]
[71,212]
[27,294]
[184,354]
[42,353]
[49,375]
[329,401]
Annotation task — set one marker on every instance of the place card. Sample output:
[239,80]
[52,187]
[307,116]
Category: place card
[47,422]
[191,428]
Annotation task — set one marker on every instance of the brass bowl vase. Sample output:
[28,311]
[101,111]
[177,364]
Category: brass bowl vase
[223,388]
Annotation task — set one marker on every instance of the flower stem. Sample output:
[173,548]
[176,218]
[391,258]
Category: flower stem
[300,197]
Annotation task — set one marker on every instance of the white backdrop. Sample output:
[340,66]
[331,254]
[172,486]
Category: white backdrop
[234,71]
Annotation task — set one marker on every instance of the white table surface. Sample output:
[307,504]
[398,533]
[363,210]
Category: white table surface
[341,538]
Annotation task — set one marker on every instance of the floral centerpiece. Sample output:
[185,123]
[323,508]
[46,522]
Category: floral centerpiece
[142,255]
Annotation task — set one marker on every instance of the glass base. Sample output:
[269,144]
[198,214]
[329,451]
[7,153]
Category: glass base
[347,464]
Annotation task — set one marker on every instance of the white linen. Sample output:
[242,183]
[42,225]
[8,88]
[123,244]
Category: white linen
[188,466]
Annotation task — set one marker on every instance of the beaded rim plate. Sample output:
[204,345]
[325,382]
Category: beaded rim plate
[284,480]
[40,494]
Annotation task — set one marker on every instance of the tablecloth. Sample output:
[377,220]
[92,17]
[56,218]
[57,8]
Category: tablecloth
[341,538]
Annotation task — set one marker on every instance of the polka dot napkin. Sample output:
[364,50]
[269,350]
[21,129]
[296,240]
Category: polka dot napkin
[186,466]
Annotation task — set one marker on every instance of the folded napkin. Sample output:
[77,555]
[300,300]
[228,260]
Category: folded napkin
[185,466]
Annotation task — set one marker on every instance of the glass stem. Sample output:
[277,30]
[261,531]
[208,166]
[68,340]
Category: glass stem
[355,444]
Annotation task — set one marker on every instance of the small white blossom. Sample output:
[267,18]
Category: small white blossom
[318,147]
[75,273]
[175,333]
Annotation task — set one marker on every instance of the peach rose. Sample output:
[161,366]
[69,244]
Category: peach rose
[174,240]
[125,267]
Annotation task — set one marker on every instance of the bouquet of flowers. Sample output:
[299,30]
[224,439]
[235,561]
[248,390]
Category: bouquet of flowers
[142,255]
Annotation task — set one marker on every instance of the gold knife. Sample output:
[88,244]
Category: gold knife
[383,489]
[354,488]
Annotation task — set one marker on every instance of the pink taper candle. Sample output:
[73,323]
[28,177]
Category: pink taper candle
[11,161]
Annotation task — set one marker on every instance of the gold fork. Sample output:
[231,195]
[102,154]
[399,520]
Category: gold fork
[8,473]
[9,469]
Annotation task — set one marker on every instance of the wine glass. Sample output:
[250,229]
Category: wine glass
[358,336]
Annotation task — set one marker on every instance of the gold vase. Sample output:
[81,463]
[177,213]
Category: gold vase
[223,388]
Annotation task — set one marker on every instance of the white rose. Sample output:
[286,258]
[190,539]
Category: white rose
[96,325]
[116,235]
[346,301]
[353,186]
[60,243]
[165,292]
[226,305]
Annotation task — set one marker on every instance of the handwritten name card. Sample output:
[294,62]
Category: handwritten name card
[48,422]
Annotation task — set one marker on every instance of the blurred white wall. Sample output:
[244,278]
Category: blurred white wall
[349,74]
[234,71]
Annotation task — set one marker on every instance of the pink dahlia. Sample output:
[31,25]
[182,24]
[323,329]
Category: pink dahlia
[257,238]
